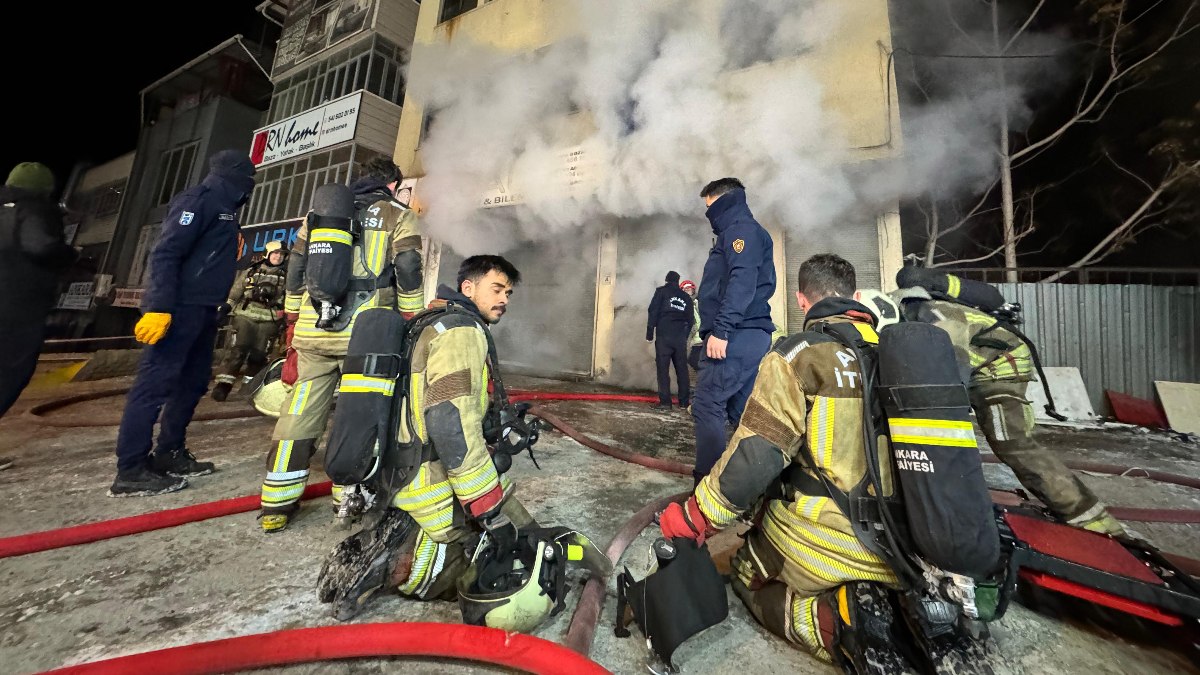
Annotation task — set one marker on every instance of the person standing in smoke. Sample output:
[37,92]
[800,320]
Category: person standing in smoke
[735,317]
[694,343]
[669,324]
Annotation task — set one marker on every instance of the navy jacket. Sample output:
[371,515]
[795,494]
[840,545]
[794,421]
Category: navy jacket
[195,259]
[739,277]
[670,313]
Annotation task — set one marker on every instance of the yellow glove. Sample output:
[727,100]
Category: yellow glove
[152,327]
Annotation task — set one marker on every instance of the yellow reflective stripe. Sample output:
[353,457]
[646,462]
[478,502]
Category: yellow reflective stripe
[422,497]
[949,433]
[809,506]
[330,235]
[283,455]
[300,398]
[483,395]
[378,242]
[411,302]
[818,563]
[711,506]
[955,285]
[291,303]
[363,384]
[423,556]
[804,626]
[476,482]
[820,422]
[416,394]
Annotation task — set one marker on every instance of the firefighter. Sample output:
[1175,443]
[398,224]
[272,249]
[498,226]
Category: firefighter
[457,490]
[256,305]
[735,316]
[387,259]
[671,318]
[802,572]
[998,367]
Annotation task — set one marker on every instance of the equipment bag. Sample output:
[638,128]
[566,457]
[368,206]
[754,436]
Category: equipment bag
[330,255]
[936,459]
[683,597]
[363,443]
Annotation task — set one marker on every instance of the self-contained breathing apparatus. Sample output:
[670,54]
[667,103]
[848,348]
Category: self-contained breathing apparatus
[934,524]
[985,298]
[367,452]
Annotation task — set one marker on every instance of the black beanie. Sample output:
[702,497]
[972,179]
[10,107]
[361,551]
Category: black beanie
[672,277]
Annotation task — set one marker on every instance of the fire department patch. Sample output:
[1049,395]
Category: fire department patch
[738,245]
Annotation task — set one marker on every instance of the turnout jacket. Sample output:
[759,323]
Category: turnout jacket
[808,394]
[388,229]
[448,398]
[261,280]
[985,352]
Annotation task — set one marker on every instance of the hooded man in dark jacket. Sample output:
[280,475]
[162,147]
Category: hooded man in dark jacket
[668,327]
[735,317]
[191,269]
[32,254]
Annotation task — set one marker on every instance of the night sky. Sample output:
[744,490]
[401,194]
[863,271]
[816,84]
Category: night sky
[87,109]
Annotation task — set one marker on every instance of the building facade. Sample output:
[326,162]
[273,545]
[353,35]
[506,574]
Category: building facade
[597,314]
[339,82]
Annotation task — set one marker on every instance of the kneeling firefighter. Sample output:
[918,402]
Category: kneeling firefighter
[355,252]
[997,362]
[255,306]
[864,552]
[411,435]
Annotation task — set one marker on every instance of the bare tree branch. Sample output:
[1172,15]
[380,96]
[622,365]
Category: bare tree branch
[1021,31]
[1116,74]
[958,27]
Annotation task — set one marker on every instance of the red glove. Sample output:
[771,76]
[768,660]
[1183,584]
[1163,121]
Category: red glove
[685,521]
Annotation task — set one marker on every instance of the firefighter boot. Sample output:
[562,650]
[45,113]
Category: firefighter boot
[864,631]
[363,563]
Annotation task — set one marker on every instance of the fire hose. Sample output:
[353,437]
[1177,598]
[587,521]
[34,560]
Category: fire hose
[304,645]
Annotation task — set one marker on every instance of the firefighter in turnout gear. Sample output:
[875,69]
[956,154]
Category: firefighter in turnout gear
[387,266]
[256,306]
[803,572]
[456,491]
[997,367]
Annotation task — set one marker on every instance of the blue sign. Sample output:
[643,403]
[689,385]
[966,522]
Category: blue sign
[253,240]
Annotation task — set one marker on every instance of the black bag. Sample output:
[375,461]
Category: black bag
[683,597]
[363,443]
[937,462]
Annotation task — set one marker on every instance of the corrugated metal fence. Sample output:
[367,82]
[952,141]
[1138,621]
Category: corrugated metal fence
[1120,336]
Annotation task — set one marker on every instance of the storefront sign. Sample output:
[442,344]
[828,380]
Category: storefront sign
[311,130]
[78,296]
[253,239]
[128,297]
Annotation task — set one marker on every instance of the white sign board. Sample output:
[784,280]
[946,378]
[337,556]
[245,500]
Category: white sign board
[1070,396]
[311,130]
[78,296]
[577,178]
[128,297]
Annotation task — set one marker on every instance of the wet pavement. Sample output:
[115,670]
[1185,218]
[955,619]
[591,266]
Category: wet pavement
[222,577]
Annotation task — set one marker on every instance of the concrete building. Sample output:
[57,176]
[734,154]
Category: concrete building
[598,318]
[338,81]
[209,104]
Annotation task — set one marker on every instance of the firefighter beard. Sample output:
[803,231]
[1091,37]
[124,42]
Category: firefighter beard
[457,483]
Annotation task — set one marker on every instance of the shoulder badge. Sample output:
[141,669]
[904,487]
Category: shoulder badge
[738,245]
[186,218]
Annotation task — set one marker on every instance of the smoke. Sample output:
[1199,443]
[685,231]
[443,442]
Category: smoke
[639,92]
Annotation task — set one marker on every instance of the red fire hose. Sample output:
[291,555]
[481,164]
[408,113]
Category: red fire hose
[34,542]
[305,645]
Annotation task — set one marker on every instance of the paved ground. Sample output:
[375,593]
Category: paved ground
[222,578]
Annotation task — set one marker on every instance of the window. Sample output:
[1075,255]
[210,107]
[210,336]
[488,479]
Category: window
[175,172]
[452,8]
[106,199]
[286,189]
[375,65]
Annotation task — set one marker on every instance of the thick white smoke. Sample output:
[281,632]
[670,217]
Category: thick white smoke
[642,89]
